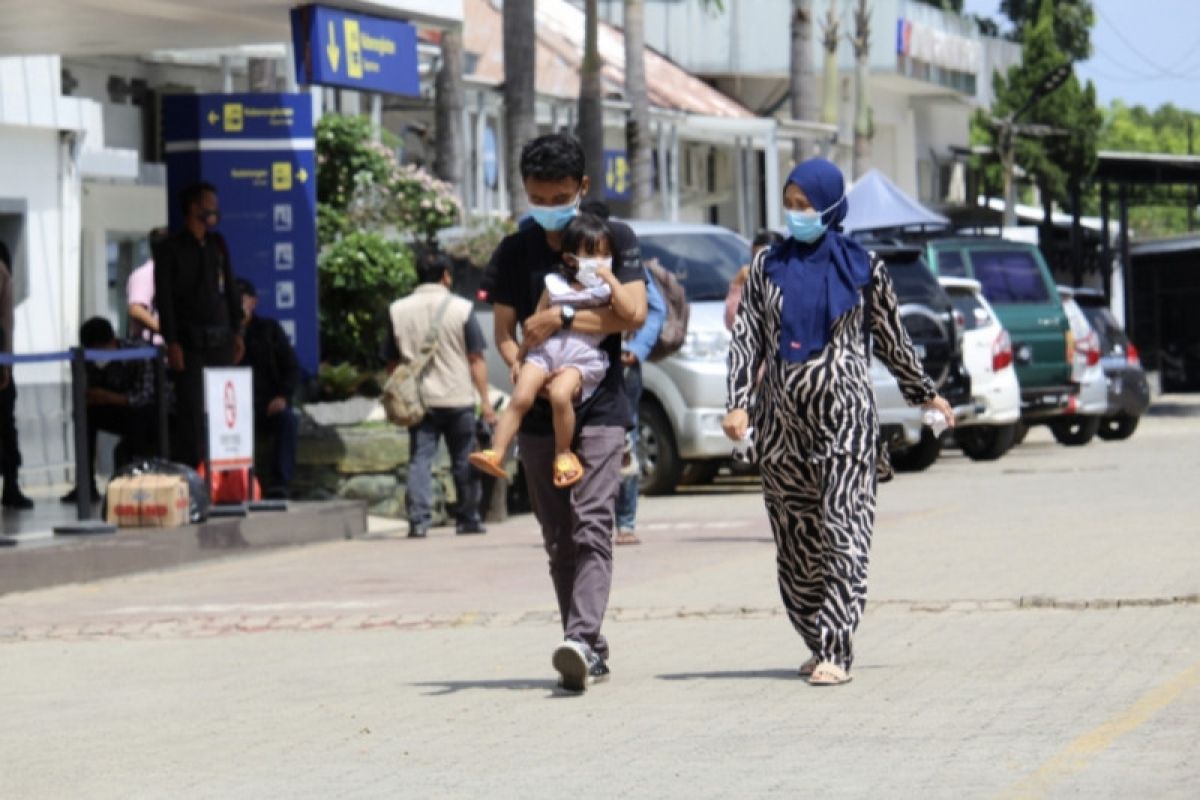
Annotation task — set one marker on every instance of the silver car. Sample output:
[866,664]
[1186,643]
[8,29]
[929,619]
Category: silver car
[683,398]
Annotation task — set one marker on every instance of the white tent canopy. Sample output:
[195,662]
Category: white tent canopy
[875,203]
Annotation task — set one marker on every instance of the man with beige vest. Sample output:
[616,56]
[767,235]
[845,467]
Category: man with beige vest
[454,380]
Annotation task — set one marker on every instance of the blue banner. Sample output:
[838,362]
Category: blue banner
[257,150]
[355,51]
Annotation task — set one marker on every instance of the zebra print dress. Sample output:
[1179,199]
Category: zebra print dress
[817,444]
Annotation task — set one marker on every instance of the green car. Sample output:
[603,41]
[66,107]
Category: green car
[1017,282]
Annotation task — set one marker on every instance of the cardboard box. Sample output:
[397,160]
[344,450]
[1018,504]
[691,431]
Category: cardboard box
[148,501]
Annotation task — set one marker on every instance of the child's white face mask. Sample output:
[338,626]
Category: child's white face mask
[589,266]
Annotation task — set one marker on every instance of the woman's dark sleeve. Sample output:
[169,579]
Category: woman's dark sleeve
[747,348]
[891,341]
[165,267]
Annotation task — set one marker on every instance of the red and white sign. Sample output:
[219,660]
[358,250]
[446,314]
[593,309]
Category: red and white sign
[229,404]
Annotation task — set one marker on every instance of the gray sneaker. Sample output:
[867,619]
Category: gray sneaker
[572,659]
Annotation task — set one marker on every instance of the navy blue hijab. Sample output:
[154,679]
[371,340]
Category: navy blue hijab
[822,280]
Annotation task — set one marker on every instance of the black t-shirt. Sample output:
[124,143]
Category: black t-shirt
[516,277]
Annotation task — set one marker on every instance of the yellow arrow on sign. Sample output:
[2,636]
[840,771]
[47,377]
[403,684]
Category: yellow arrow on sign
[213,118]
[331,49]
[302,175]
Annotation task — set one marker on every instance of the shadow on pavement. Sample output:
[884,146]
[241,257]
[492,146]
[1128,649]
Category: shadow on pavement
[516,685]
[746,674]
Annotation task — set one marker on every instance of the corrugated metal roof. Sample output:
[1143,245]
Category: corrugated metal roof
[559,33]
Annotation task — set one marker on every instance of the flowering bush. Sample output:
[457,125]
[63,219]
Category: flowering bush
[408,198]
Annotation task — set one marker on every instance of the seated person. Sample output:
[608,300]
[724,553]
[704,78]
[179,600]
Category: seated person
[120,400]
[270,356]
[569,365]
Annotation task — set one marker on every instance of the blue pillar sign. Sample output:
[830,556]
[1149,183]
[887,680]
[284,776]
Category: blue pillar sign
[257,150]
[617,177]
[356,51]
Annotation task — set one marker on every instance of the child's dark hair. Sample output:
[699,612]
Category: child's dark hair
[766,238]
[553,157]
[586,233]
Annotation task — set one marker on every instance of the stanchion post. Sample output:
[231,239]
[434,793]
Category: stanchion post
[83,456]
[160,391]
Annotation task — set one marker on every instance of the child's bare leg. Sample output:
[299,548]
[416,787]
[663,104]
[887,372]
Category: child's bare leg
[564,389]
[530,380]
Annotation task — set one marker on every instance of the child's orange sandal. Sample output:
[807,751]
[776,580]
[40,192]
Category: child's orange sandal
[488,462]
[567,470]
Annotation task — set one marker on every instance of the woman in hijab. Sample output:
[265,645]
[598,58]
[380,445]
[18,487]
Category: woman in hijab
[812,419]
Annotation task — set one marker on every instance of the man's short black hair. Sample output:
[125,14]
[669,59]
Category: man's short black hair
[194,193]
[432,265]
[766,237]
[585,233]
[553,157]
[246,288]
[597,208]
[96,332]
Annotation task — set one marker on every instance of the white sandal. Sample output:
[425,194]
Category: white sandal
[806,669]
[828,674]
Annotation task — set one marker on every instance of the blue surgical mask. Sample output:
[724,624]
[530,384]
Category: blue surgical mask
[805,226]
[554,218]
[808,226]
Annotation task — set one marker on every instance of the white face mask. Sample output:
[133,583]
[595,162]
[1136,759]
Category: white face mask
[589,266]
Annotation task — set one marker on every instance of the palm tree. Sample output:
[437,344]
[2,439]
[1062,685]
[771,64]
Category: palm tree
[829,108]
[637,129]
[448,112]
[863,122]
[520,124]
[803,98]
[591,102]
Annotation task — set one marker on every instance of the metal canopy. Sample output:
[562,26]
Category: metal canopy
[135,27]
[1160,169]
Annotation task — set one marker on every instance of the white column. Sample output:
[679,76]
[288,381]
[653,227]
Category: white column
[226,74]
[664,173]
[739,182]
[502,176]
[675,149]
[377,116]
[482,196]
[773,190]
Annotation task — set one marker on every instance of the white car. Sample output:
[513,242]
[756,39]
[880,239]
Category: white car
[1089,407]
[988,356]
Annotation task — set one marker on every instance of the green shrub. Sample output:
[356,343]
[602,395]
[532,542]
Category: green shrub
[360,275]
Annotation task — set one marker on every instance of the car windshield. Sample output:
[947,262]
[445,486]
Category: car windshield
[1009,277]
[966,302]
[915,283]
[705,263]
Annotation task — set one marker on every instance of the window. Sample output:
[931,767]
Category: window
[1010,277]
[705,263]
[968,304]
[1112,337]
[950,263]
[915,283]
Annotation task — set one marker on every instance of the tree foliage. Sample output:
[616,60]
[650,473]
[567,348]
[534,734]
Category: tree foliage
[1065,160]
[1073,21]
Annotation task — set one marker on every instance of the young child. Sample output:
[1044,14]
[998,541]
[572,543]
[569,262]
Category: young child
[569,365]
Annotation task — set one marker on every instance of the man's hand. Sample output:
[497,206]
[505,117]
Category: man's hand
[488,415]
[175,357]
[239,348]
[275,406]
[628,359]
[514,372]
[540,327]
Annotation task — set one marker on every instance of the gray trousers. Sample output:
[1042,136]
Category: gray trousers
[577,525]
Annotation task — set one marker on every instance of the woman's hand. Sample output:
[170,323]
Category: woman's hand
[735,424]
[938,403]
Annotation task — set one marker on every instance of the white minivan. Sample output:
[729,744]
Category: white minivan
[988,357]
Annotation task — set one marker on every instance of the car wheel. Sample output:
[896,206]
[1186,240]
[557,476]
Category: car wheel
[1117,428]
[657,454]
[1075,431]
[920,456]
[986,442]
[1019,433]
[700,473]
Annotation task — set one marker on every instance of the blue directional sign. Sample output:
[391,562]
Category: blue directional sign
[617,178]
[355,51]
[257,150]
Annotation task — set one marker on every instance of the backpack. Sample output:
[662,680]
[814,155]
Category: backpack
[674,329]
[402,401]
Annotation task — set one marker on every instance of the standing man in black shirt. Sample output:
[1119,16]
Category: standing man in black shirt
[199,313]
[576,522]
[270,356]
